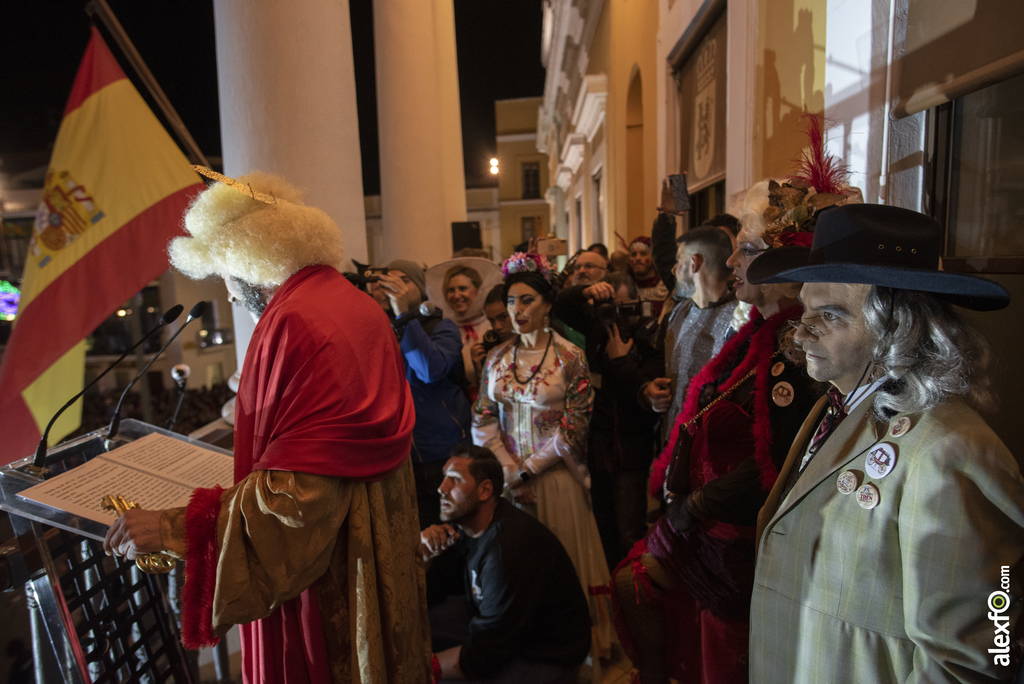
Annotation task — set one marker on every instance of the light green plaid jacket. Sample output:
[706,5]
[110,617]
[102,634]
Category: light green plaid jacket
[899,592]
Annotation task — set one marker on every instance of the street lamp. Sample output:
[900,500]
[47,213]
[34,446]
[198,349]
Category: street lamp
[494,166]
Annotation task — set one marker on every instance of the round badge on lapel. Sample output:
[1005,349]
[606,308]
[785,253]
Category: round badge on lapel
[880,460]
[900,427]
[782,394]
[778,368]
[868,496]
[847,482]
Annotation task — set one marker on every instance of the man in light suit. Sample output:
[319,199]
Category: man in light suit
[890,545]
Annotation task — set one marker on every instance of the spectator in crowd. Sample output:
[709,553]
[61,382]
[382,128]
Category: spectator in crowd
[322,510]
[497,312]
[886,546]
[590,267]
[599,248]
[618,262]
[698,323]
[533,411]
[522,616]
[376,290]
[501,326]
[455,286]
[432,351]
[684,592]
[665,244]
[641,267]
[620,346]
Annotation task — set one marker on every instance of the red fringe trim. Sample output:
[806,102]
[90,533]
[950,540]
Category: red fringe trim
[200,568]
[641,582]
[762,345]
[435,669]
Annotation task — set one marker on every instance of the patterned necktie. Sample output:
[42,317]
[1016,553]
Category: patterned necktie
[834,415]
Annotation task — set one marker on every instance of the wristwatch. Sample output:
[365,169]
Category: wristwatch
[524,474]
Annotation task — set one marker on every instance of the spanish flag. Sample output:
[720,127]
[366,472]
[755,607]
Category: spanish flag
[115,191]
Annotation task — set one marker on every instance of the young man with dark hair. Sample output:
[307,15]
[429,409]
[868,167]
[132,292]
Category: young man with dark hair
[522,616]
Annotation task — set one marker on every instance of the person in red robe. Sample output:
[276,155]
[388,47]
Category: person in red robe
[313,550]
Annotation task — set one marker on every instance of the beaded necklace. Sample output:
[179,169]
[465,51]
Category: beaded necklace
[515,361]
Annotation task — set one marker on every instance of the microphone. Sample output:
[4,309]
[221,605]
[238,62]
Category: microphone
[169,317]
[180,374]
[115,422]
[424,312]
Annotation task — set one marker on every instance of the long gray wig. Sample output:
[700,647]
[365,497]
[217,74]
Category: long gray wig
[928,349]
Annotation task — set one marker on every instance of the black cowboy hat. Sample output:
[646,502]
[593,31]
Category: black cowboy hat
[872,244]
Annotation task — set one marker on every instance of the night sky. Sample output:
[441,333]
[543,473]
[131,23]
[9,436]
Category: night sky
[498,44]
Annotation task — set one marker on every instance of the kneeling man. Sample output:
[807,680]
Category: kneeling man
[889,547]
[523,617]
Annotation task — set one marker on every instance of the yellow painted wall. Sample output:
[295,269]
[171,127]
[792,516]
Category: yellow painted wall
[518,117]
[511,156]
[633,27]
[790,80]
[512,222]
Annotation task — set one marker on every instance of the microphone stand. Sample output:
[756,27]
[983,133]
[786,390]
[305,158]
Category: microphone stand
[115,422]
[169,317]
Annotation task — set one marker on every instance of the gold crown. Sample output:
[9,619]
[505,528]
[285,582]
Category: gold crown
[237,186]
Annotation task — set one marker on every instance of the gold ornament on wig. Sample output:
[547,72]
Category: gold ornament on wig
[243,188]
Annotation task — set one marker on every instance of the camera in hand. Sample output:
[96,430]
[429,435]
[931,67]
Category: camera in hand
[608,312]
[365,275]
[492,338]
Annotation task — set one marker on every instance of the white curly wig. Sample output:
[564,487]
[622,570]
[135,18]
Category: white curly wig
[235,235]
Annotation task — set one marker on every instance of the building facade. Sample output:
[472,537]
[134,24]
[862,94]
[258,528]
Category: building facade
[522,174]
[716,89]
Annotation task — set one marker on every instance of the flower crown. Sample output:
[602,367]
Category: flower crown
[819,183]
[521,262]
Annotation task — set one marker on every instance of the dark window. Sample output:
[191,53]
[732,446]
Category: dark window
[975,181]
[529,224]
[531,180]
[706,203]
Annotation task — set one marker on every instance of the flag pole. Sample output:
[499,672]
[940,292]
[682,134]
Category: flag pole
[100,9]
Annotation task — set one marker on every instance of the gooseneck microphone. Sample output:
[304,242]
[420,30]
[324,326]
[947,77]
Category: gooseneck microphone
[169,317]
[115,422]
[180,374]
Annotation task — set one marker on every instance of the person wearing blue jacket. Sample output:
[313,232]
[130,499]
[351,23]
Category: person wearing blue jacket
[432,351]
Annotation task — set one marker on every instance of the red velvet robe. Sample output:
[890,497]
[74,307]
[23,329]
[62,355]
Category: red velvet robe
[323,391]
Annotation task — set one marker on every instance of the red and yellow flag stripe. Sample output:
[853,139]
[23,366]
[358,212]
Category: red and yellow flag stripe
[116,188]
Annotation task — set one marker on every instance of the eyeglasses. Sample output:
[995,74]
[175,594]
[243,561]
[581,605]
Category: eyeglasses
[820,326]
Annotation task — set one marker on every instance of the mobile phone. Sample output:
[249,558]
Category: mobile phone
[680,195]
[552,246]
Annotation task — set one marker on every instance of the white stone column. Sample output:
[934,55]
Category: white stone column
[288,106]
[422,178]
[449,111]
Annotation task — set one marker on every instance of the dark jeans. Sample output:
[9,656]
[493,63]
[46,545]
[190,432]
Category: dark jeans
[449,627]
[620,509]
